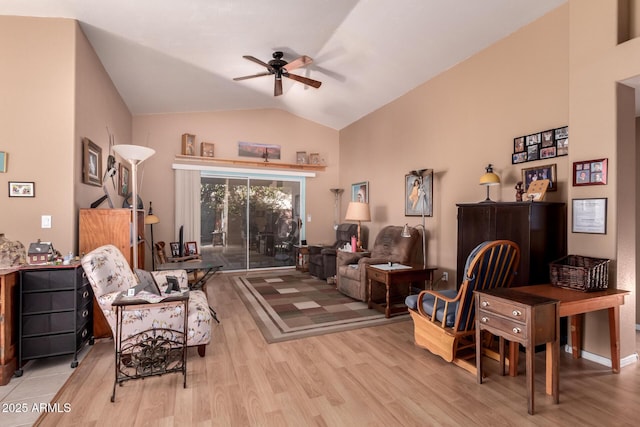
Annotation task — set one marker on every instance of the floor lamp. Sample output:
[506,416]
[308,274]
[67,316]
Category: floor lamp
[336,206]
[151,219]
[422,196]
[134,154]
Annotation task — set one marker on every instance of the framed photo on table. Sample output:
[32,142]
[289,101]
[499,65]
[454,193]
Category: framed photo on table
[175,249]
[191,248]
[538,173]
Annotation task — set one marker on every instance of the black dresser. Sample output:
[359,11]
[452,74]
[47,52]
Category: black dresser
[55,312]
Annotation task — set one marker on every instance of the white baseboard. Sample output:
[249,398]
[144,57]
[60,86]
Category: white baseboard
[633,358]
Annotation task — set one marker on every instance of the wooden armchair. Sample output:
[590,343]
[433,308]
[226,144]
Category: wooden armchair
[449,330]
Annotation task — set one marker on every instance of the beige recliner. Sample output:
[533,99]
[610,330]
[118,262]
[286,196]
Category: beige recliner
[351,276]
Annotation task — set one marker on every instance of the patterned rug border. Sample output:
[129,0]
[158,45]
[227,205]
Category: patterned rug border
[275,330]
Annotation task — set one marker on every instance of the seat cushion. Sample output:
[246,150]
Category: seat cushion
[427,305]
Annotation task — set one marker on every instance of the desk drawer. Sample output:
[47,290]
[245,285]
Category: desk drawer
[376,275]
[509,309]
[510,329]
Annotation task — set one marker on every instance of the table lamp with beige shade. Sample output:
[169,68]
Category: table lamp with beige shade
[358,211]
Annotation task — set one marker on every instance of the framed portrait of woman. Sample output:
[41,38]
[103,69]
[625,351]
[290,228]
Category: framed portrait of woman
[418,194]
[360,192]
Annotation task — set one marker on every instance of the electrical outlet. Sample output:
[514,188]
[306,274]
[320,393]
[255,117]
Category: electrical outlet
[445,276]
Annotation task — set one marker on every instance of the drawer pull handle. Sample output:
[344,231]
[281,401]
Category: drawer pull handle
[485,303]
[85,294]
[85,313]
[517,330]
[517,313]
[485,319]
[84,333]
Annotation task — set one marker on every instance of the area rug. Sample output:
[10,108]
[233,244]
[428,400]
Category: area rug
[293,305]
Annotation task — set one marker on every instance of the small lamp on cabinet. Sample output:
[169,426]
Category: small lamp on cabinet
[488,179]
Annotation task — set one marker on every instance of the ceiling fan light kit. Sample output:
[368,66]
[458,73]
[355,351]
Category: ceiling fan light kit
[281,68]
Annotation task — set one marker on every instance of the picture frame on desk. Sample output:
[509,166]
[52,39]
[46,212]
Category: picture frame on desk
[538,173]
[191,248]
[175,249]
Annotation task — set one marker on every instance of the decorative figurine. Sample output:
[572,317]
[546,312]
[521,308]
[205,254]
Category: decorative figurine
[519,191]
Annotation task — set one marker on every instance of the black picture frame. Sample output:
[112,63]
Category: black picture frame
[22,189]
[589,215]
[541,145]
[412,199]
[175,249]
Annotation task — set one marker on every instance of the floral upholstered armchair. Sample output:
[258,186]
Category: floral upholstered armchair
[110,275]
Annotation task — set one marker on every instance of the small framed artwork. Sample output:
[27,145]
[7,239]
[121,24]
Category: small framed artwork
[360,192]
[547,139]
[191,248]
[538,173]
[562,133]
[418,194]
[519,158]
[533,152]
[590,172]
[562,146]
[589,216]
[188,144]
[124,175]
[547,152]
[301,157]
[175,249]
[3,161]
[314,159]
[206,149]
[518,144]
[22,189]
[533,139]
[91,163]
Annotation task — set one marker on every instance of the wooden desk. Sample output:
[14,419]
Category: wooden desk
[389,278]
[520,318]
[575,304]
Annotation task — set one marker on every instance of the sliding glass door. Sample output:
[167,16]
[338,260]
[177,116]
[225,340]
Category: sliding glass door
[250,222]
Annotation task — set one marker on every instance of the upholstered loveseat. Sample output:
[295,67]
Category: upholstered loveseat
[351,277]
[322,259]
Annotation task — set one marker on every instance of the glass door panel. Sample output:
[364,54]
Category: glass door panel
[250,223]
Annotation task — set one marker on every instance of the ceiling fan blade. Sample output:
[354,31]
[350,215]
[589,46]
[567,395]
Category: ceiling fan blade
[305,80]
[257,61]
[266,73]
[298,62]
[277,88]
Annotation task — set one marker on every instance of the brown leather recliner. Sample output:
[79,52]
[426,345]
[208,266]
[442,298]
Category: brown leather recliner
[389,246]
[322,259]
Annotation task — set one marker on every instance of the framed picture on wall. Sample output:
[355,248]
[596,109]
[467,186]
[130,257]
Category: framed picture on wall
[360,192]
[124,175]
[417,198]
[91,163]
[590,172]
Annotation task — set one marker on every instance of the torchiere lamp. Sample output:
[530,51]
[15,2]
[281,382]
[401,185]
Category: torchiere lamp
[134,154]
[336,206]
[488,179]
[151,219]
[358,211]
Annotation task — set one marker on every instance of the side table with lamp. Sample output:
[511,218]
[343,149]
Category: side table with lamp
[359,212]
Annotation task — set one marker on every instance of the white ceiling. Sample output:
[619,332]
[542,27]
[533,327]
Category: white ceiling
[169,56]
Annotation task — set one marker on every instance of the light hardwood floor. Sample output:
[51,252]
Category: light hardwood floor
[366,377]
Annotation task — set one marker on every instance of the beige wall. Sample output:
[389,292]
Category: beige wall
[458,123]
[224,129]
[59,92]
[36,127]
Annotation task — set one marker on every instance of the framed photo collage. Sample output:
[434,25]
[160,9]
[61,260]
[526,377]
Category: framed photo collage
[541,145]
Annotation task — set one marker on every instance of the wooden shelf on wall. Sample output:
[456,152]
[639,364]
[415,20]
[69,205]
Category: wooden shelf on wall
[251,163]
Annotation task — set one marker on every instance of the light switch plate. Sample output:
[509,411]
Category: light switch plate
[46,221]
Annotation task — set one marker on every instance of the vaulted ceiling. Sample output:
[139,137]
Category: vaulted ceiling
[182,55]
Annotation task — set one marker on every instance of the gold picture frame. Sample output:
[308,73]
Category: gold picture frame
[206,149]
[188,144]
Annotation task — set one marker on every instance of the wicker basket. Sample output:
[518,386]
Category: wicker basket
[580,273]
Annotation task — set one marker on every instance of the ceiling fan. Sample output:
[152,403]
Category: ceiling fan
[281,68]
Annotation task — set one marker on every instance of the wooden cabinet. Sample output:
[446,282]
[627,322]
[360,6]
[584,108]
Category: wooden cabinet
[539,228]
[98,227]
[55,312]
[8,326]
